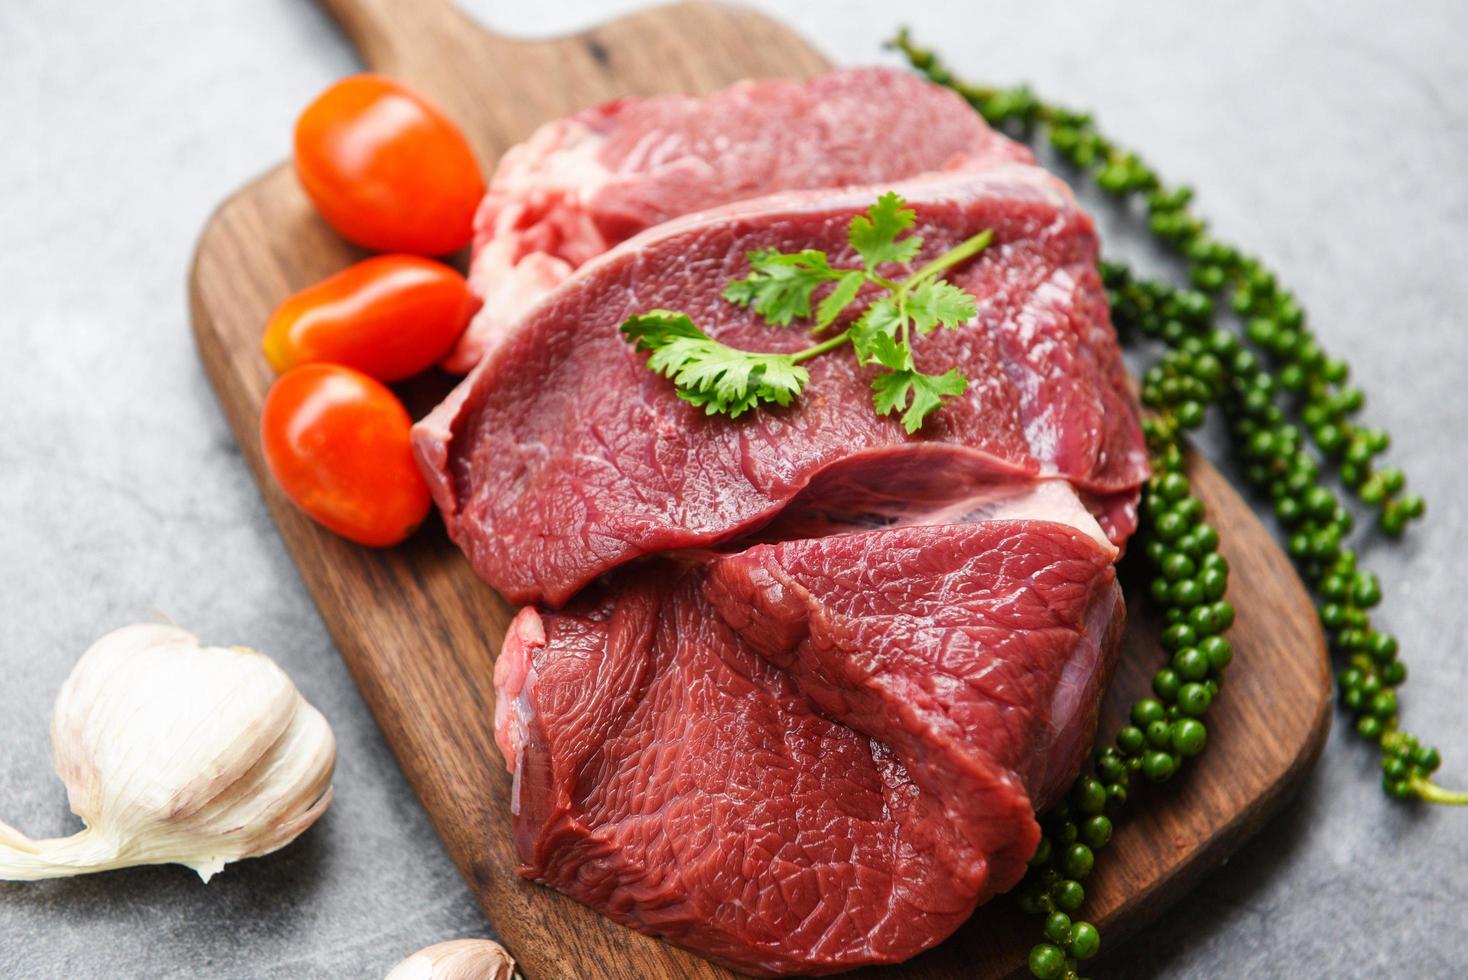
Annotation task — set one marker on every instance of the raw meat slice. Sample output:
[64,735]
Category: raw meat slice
[563,456]
[582,184]
[811,755]
[951,676]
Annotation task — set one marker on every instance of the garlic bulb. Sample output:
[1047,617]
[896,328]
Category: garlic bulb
[462,959]
[173,752]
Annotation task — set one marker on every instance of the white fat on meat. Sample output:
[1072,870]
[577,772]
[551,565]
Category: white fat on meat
[520,221]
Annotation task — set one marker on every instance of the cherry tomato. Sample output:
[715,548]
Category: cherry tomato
[387,168]
[337,443]
[390,317]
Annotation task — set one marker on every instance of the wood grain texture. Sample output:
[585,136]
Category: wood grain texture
[419,631]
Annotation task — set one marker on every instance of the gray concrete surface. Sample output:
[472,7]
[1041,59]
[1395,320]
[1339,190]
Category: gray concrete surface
[1327,137]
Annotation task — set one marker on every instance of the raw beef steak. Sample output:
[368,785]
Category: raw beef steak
[811,755]
[811,728]
[563,456]
[582,184]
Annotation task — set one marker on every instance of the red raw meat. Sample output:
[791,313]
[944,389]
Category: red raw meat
[813,755]
[582,184]
[563,456]
[826,749]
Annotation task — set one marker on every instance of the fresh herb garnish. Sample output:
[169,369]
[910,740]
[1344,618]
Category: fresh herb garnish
[708,373]
[781,288]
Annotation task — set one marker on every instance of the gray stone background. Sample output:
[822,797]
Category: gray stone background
[1327,137]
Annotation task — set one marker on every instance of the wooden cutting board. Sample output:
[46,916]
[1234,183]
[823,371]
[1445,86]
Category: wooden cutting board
[419,631]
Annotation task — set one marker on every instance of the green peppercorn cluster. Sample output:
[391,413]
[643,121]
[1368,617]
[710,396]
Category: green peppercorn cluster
[1191,579]
[1203,365]
[1275,322]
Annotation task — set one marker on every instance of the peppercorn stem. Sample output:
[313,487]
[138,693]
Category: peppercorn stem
[1429,792]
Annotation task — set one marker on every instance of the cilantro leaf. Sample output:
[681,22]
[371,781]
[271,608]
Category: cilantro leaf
[891,391]
[714,376]
[874,334]
[781,288]
[886,351]
[874,234]
[936,303]
[779,285]
[839,298]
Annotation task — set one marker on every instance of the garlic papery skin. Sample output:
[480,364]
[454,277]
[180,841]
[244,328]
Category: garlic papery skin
[461,959]
[177,753]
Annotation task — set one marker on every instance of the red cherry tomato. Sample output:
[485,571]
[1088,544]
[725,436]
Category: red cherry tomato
[337,443]
[390,317]
[387,168]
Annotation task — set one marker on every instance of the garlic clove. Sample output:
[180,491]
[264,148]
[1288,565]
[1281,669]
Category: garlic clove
[460,959]
[173,752]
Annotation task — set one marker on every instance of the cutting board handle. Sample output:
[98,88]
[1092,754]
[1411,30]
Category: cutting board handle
[396,36]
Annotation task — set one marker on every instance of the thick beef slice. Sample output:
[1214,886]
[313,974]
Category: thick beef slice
[808,756]
[582,184]
[563,456]
[957,677]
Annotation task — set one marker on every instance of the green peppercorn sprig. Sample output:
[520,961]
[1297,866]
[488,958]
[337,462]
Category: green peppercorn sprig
[1205,364]
[1201,366]
[1166,730]
[1275,323]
